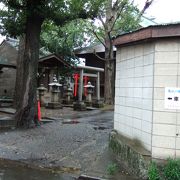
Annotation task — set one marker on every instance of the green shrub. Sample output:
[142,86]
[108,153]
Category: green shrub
[153,172]
[112,169]
[172,170]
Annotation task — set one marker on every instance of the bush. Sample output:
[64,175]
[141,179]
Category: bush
[172,170]
[153,172]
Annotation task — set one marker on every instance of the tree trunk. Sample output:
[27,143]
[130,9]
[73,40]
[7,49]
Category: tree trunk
[109,87]
[27,106]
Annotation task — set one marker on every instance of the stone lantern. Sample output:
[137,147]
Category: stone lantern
[90,90]
[41,90]
[55,90]
[68,95]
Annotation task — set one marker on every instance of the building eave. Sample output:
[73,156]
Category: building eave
[53,55]
[148,33]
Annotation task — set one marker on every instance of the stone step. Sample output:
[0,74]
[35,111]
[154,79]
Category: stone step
[6,122]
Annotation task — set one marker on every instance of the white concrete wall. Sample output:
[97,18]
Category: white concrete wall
[166,122]
[134,92]
[142,73]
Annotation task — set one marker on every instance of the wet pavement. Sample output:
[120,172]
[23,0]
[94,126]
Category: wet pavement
[14,172]
[73,143]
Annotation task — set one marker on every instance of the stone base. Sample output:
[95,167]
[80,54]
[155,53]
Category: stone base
[54,105]
[67,102]
[7,122]
[98,104]
[131,154]
[6,102]
[79,106]
[89,104]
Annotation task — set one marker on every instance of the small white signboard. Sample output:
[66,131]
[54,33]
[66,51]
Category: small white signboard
[172,98]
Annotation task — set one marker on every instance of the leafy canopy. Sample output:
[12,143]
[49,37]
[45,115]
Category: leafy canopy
[13,18]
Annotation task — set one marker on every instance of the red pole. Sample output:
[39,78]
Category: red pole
[39,111]
[75,84]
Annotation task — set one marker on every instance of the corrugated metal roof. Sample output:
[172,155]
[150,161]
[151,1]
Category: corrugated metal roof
[98,48]
[145,21]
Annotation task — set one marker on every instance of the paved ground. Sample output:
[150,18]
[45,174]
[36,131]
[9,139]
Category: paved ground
[75,142]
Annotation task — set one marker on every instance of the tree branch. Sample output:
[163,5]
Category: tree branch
[95,34]
[103,59]
[118,13]
[146,6]
[103,23]
[115,4]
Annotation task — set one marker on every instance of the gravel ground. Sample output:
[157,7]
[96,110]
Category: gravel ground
[76,145]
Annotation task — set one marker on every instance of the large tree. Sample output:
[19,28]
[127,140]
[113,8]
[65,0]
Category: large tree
[25,18]
[116,17]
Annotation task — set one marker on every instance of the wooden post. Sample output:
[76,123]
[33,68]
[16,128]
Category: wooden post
[85,83]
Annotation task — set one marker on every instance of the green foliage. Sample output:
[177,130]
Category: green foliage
[153,172]
[16,12]
[172,170]
[128,21]
[62,40]
[63,26]
[112,168]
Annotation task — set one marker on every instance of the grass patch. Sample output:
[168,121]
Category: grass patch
[170,171]
[112,169]
[153,172]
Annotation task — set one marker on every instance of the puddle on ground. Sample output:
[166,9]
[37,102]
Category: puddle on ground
[100,128]
[14,172]
[83,177]
[69,121]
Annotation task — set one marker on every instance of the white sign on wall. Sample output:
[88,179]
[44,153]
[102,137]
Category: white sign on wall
[172,98]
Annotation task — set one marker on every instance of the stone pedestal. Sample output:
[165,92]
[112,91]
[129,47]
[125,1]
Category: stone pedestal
[90,89]
[88,103]
[79,106]
[41,92]
[54,105]
[68,96]
[98,104]
[55,96]
[89,100]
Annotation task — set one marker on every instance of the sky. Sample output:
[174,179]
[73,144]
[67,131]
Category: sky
[162,11]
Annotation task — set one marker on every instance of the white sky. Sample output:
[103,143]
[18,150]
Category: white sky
[164,11]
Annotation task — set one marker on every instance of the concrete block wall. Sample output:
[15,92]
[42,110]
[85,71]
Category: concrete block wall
[142,73]
[166,122]
[134,92]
